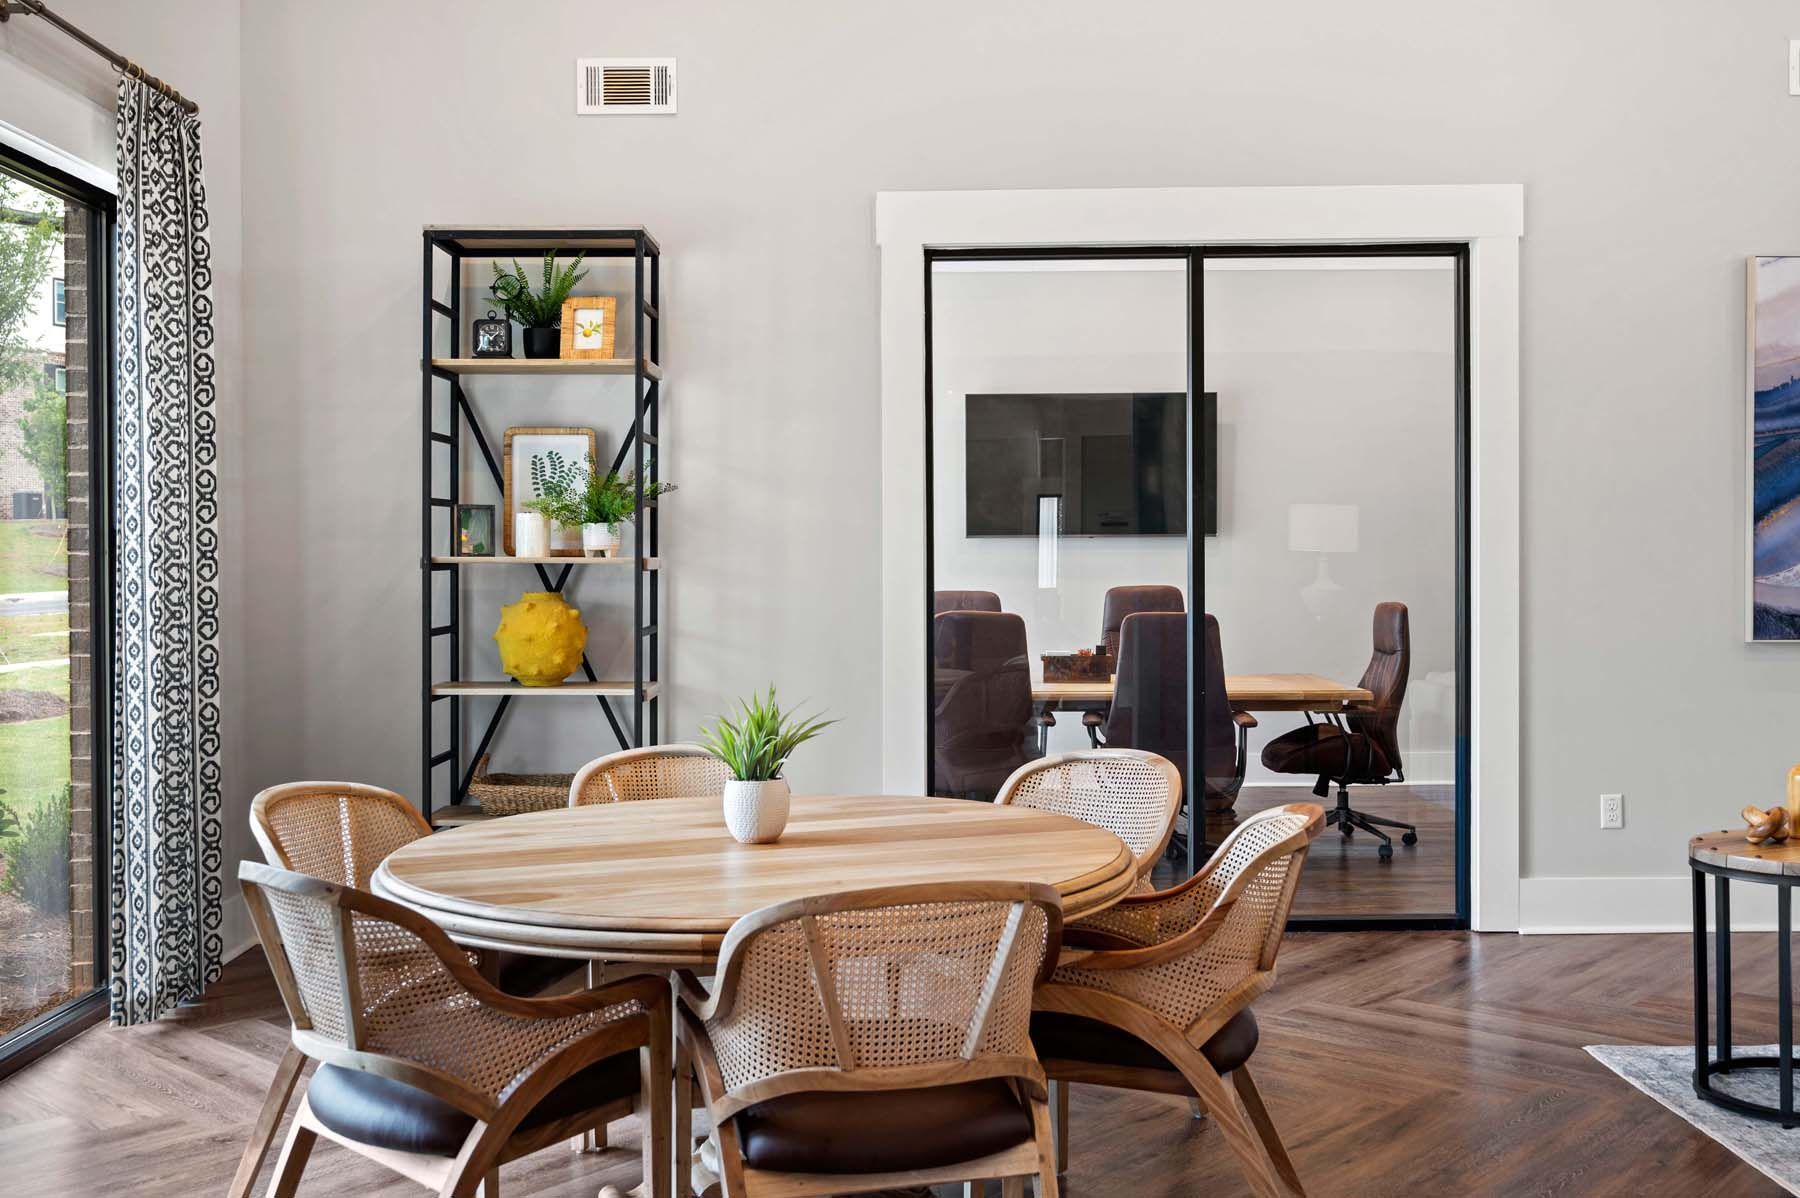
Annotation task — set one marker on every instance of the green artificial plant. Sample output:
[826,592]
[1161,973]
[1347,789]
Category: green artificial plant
[757,744]
[541,309]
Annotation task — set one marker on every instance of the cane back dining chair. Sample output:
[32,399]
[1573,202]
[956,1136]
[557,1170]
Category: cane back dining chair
[657,772]
[1154,993]
[430,1070]
[1132,794]
[873,1040]
[340,832]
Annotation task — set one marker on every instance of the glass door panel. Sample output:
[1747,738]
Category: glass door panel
[1058,511]
[1339,554]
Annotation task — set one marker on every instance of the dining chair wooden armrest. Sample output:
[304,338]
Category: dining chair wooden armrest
[1145,956]
[1243,719]
[693,994]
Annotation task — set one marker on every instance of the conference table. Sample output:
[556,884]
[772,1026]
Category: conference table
[660,883]
[1247,692]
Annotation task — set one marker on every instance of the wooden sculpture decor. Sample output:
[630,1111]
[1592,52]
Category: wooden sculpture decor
[1775,824]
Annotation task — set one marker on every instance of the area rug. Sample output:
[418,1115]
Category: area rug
[1667,1075]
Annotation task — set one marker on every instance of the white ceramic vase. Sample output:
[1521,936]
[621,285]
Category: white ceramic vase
[600,540]
[756,812]
[531,535]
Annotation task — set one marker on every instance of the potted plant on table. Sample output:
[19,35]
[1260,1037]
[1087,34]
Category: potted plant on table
[755,747]
[539,312]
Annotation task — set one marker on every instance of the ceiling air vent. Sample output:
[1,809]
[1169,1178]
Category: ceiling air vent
[624,86]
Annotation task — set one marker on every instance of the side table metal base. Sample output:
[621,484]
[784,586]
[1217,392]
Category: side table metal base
[1722,1061]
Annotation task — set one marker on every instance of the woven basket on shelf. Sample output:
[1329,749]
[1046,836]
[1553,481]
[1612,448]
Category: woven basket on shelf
[514,794]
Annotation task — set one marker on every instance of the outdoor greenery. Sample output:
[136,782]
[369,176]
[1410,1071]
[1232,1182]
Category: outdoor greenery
[574,495]
[37,858]
[30,232]
[43,441]
[541,309]
[33,556]
[757,744]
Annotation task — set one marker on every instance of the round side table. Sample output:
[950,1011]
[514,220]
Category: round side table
[1727,857]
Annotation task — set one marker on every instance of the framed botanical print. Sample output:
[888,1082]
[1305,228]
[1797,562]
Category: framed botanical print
[571,445]
[589,325]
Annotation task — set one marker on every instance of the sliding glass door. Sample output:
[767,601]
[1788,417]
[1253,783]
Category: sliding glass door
[1211,502]
[55,251]
[1339,561]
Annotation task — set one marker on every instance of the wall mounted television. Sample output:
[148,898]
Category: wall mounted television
[1118,461]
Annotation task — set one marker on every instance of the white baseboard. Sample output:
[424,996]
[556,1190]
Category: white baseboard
[1593,905]
[235,928]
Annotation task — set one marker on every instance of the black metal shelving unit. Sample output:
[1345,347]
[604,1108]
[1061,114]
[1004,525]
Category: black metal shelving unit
[447,414]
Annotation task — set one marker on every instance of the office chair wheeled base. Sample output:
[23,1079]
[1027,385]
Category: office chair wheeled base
[1348,819]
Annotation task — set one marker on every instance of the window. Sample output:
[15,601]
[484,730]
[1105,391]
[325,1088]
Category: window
[55,389]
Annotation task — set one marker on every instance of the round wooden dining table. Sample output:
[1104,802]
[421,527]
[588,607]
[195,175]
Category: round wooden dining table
[661,881]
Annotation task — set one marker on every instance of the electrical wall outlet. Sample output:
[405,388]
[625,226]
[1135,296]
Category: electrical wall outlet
[1612,811]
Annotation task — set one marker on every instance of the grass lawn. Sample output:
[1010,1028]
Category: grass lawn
[34,638]
[34,763]
[31,561]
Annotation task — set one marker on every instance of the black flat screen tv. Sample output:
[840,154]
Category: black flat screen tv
[1118,462]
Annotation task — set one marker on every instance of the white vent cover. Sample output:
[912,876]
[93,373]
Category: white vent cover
[624,86]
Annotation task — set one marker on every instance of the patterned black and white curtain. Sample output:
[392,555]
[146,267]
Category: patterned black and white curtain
[167,883]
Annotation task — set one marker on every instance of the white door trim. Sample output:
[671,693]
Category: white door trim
[1489,217]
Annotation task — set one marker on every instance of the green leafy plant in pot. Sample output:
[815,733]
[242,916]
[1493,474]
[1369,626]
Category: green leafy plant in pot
[755,746]
[538,312]
[599,504]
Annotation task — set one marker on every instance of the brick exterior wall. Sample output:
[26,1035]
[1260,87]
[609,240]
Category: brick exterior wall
[82,967]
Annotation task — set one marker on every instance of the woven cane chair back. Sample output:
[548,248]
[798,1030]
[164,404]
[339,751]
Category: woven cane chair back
[660,772]
[1215,937]
[1131,793]
[338,831]
[364,977]
[882,989]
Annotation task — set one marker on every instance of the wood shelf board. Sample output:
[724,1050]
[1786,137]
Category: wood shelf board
[520,239]
[458,814]
[529,366]
[650,563]
[615,689]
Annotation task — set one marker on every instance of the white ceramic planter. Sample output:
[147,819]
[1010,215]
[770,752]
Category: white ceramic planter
[600,540]
[756,812]
[531,535]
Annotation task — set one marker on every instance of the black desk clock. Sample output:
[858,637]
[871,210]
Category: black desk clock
[493,336]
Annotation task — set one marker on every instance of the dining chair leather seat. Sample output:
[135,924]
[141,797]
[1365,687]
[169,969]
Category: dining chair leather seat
[1062,1037]
[882,1131]
[383,1113]
[1322,749]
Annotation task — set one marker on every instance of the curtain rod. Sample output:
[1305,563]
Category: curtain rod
[35,8]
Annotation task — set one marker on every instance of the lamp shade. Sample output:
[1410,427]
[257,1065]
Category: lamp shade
[1322,527]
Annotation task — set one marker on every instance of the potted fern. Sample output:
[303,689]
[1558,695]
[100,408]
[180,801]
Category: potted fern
[755,747]
[599,504]
[538,312]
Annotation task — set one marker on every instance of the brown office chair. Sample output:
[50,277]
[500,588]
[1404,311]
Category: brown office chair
[1364,749]
[429,1070]
[943,601]
[1154,994]
[874,1040]
[982,719]
[654,772]
[1126,601]
[1149,707]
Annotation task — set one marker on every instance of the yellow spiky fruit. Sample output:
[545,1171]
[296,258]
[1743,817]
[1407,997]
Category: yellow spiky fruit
[541,638]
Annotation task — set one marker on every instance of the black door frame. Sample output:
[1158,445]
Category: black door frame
[57,1025]
[1195,258]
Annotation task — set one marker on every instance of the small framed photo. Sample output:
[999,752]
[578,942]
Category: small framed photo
[475,530]
[589,323]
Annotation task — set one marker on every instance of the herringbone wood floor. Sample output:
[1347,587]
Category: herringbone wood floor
[1395,1063]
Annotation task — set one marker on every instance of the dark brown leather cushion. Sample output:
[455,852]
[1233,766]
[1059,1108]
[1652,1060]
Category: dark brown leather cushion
[882,1131]
[1060,1037]
[1319,749]
[384,1113]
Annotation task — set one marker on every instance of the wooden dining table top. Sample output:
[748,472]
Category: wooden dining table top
[662,880]
[1247,692]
